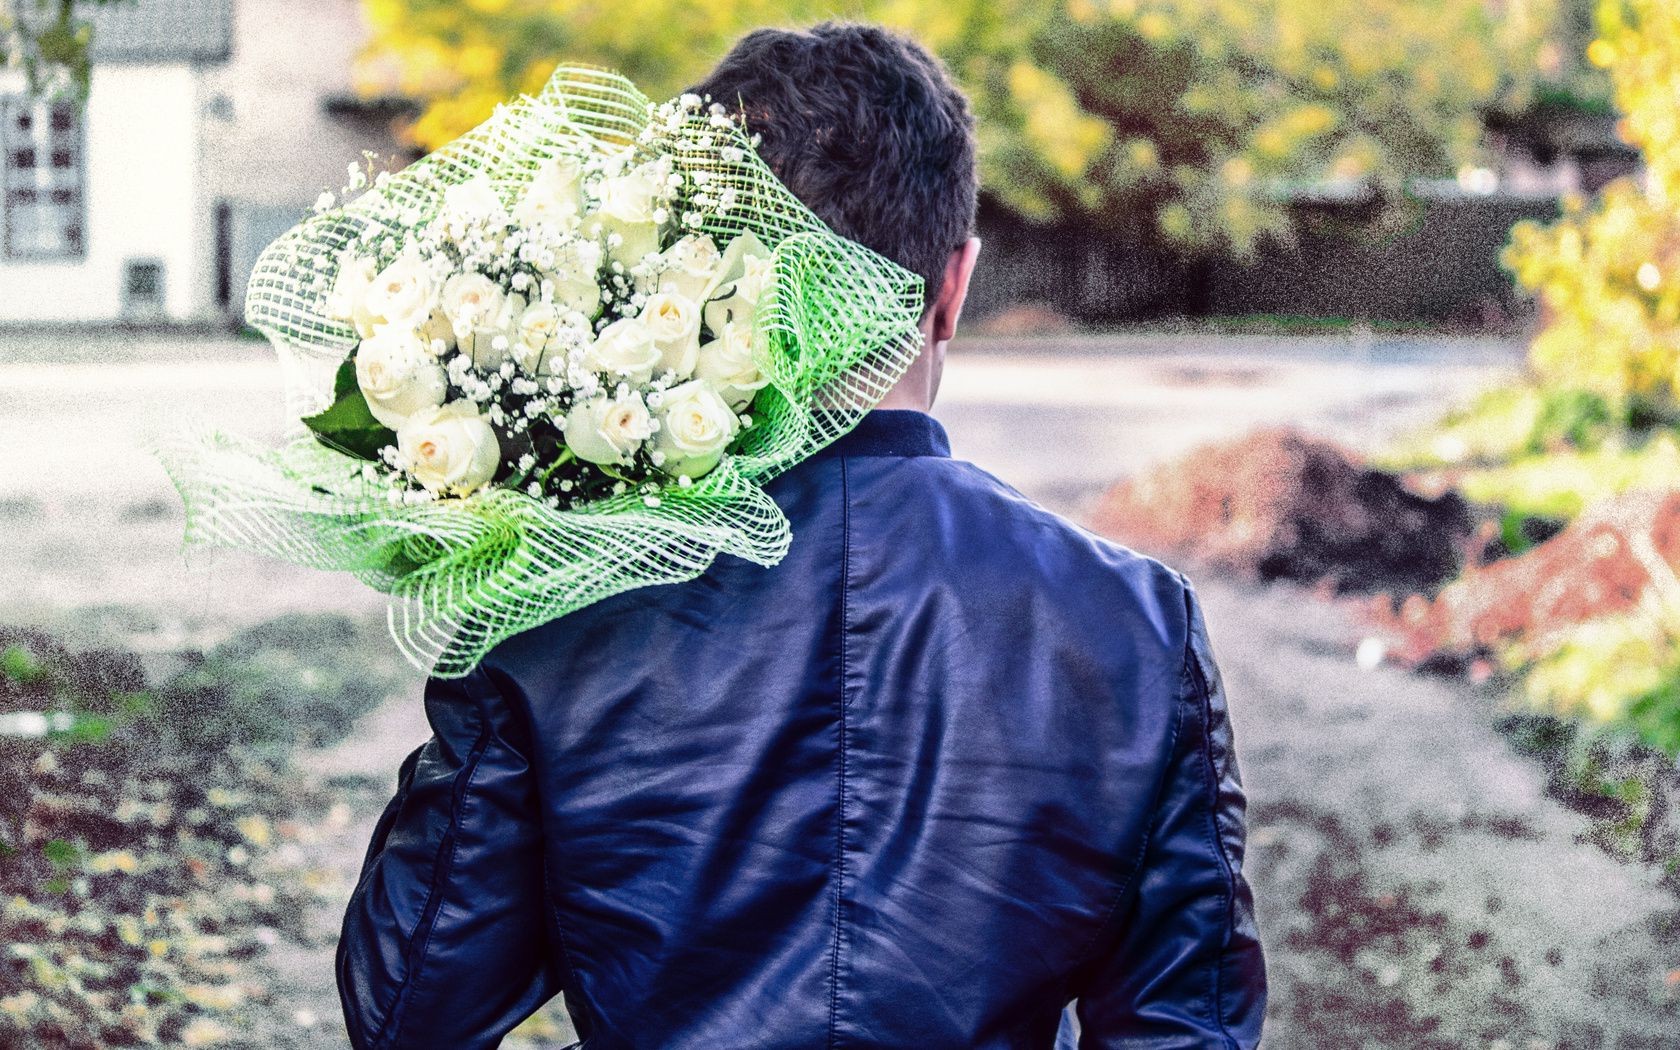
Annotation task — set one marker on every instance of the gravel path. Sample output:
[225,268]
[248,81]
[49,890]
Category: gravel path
[1415,886]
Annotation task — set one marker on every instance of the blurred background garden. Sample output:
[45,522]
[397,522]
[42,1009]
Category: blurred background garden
[1366,313]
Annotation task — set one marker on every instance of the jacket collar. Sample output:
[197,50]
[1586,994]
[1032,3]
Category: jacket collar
[892,432]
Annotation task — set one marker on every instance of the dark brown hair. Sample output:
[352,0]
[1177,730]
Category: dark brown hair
[864,126]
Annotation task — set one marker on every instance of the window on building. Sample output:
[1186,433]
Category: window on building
[142,288]
[42,209]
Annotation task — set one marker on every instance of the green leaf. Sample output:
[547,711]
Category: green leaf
[344,380]
[348,424]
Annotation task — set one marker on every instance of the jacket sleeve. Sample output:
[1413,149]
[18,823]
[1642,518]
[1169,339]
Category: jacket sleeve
[1182,967]
[445,940]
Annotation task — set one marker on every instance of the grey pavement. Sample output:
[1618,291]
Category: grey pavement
[1415,885]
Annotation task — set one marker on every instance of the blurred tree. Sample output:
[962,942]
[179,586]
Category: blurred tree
[1609,272]
[49,42]
[1195,115]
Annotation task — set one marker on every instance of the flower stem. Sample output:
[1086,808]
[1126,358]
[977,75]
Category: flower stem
[566,456]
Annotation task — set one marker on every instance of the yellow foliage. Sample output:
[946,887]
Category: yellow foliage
[1605,271]
[1630,656]
[1243,95]
[1065,135]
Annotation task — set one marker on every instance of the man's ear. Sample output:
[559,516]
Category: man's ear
[947,309]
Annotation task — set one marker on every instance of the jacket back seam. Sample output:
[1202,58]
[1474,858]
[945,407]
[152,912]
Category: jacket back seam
[840,796]
[1086,951]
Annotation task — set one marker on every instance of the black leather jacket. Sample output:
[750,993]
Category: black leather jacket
[949,766]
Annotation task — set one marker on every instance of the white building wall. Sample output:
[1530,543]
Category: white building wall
[280,148]
[142,170]
[274,147]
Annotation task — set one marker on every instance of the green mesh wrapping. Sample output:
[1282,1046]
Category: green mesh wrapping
[834,331]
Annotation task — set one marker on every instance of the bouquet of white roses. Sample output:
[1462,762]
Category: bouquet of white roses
[551,361]
[576,345]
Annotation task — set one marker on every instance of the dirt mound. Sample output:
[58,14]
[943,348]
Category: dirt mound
[1600,565]
[1278,503]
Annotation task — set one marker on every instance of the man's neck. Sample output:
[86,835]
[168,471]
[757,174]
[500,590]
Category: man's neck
[916,388]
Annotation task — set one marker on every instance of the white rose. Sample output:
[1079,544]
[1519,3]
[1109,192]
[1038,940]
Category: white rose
[743,275]
[491,340]
[695,426]
[632,196]
[479,311]
[553,196]
[348,299]
[674,321]
[608,430]
[450,449]
[397,376]
[469,298]
[624,348]
[690,266]
[727,364]
[438,334]
[626,243]
[403,294]
[755,275]
[625,209]
[572,283]
[470,203]
[535,331]
[580,294]
[731,310]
